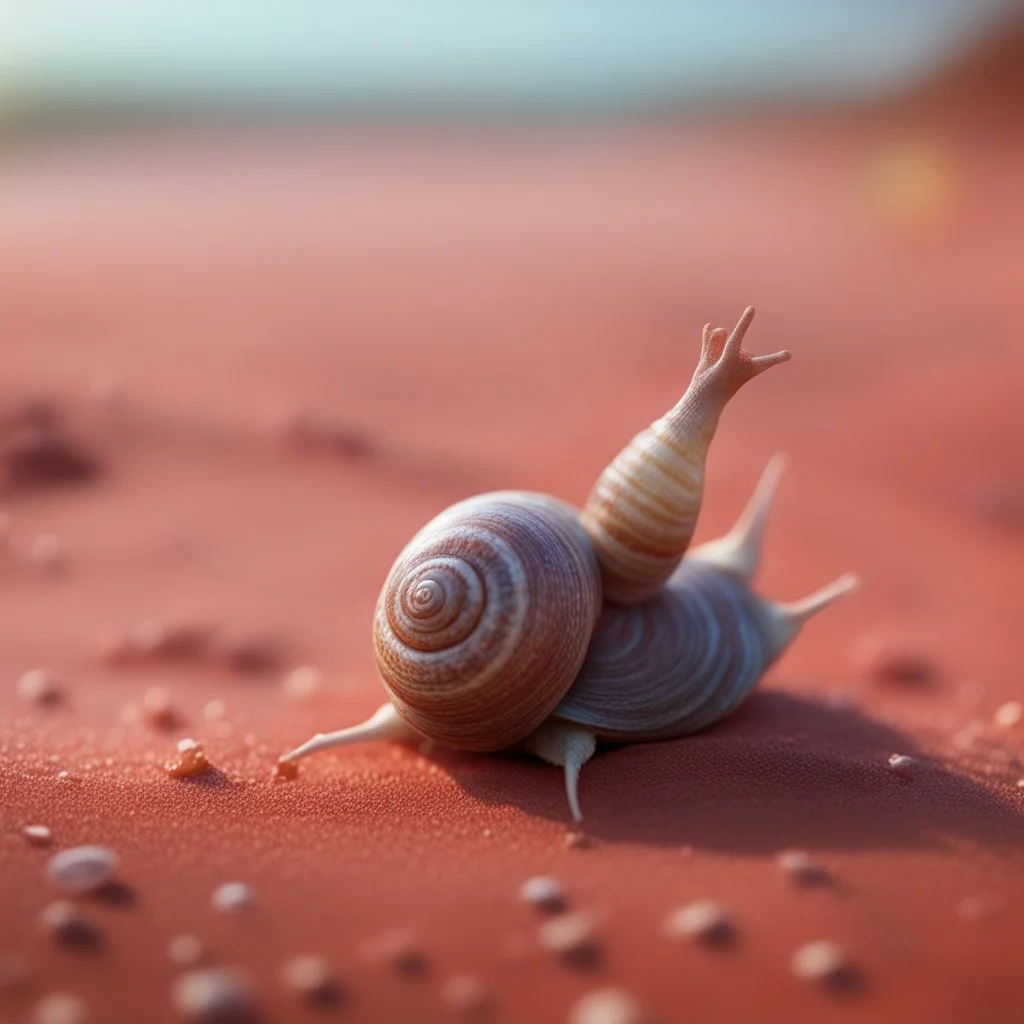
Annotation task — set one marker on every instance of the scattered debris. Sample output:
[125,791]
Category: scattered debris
[1009,715]
[189,762]
[60,1008]
[63,920]
[821,961]
[702,921]
[215,995]
[40,687]
[37,835]
[571,936]
[232,897]
[311,978]
[313,432]
[251,654]
[802,867]
[606,1006]
[465,994]
[82,868]
[186,950]
[902,765]
[543,892]
[154,640]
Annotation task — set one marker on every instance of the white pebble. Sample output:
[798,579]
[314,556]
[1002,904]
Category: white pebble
[464,993]
[82,868]
[310,977]
[801,866]
[185,950]
[543,892]
[704,921]
[901,764]
[568,934]
[232,897]
[37,835]
[818,961]
[39,686]
[303,682]
[60,1008]
[606,1006]
[211,994]
[48,553]
[1009,715]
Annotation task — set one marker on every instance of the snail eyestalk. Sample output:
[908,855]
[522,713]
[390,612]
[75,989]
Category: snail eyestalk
[384,724]
[787,618]
[739,551]
[643,510]
[570,747]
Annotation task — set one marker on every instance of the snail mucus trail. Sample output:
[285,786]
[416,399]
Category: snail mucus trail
[514,621]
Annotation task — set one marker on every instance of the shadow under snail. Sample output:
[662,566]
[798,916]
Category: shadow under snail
[512,620]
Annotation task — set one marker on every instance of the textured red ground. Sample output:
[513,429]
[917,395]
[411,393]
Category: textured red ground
[507,314]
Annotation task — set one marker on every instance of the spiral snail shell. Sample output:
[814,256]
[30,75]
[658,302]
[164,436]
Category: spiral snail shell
[511,620]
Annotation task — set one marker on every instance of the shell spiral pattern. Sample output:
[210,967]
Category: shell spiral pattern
[676,663]
[497,590]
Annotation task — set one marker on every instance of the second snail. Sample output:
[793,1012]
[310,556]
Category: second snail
[514,621]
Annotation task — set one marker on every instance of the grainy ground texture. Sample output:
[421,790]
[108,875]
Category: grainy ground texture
[497,313]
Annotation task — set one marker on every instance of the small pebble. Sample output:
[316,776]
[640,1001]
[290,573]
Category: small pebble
[571,936]
[251,655]
[702,921]
[543,892]
[889,661]
[186,950]
[158,708]
[60,1008]
[901,764]
[303,683]
[37,835]
[47,552]
[215,995]
[575,839]
[465,994]
[802,867]
[14,972]
[311,978]
[819,961]
[62,920]
[399,948]
[606,1006]
[189,762]
[82,868]
[232,897]
[40,687]
[214,709]
[1009,715]
[285,771]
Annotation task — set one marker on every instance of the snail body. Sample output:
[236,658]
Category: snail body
[512,621]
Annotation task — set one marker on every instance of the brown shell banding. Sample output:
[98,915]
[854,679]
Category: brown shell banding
[497,590]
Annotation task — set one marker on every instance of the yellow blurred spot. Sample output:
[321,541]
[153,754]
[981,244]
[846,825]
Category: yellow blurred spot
[913,184]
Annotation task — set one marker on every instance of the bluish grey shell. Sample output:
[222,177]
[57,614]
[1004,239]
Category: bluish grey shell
[676,663]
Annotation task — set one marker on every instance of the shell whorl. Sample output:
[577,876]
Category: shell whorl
[643,510]
[675,663]
[485,618]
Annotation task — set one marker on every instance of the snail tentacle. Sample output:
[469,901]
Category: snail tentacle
[787,618]
[384,724]
[570,747]
[739,551]
[643,510]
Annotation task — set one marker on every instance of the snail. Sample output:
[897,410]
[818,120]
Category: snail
[512,621]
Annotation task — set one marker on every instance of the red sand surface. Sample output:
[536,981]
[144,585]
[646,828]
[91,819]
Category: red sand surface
[507,314]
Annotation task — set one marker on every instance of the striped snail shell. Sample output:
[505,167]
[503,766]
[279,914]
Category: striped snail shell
[485,618]
[490,630]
